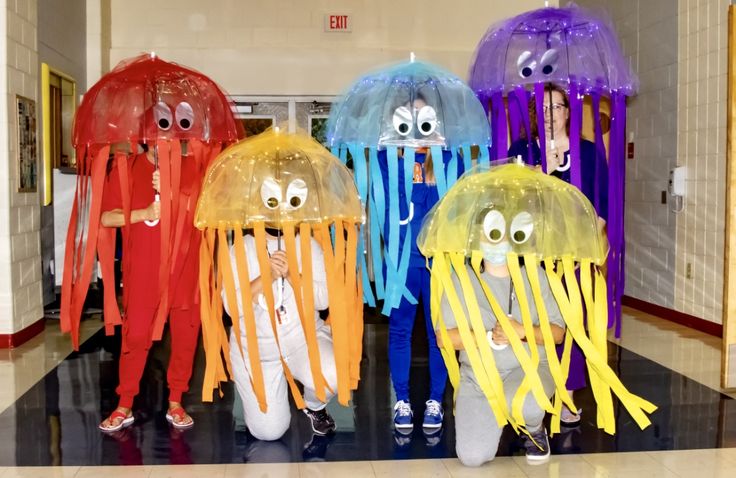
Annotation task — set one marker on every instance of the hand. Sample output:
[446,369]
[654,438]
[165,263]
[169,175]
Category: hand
[500,337]
[554,160]
[279,265]
[153,211]
[156,181]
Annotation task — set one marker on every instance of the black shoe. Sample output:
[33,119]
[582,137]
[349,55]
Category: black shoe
[537,451]
[322,422]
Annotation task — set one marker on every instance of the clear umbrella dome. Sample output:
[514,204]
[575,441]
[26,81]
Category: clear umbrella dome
[146,98]
[413,104]
[534,212]
[276,177]
[557,45]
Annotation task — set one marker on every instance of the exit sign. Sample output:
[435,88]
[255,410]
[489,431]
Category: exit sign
[338,23]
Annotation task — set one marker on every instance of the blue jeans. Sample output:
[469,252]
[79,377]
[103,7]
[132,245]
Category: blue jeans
[400,326]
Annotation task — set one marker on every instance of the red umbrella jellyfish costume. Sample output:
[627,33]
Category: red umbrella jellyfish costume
[179,113]
[579,52]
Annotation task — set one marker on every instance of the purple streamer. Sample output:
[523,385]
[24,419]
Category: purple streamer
[541,133]
[576,124]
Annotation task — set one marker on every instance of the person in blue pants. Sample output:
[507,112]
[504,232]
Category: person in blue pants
[401,320]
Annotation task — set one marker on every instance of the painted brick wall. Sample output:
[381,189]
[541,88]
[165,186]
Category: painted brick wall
[679,50]
[20,255]
[703,27]
[279,46]
[647,30]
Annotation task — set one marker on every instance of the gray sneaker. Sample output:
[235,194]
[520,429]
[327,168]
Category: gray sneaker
[537,451]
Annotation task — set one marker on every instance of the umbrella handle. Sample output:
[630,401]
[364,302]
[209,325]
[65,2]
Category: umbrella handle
[493,344]
[155,221]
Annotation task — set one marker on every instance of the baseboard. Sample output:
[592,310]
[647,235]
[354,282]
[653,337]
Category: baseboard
[9,341]
[681,318]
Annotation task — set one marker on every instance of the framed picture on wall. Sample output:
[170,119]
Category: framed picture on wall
[26,144]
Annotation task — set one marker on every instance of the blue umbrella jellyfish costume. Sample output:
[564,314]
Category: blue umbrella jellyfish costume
[408,130]
[571,48]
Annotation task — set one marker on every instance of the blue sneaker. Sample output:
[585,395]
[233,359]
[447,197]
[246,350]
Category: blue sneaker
[403,415]
[433,414]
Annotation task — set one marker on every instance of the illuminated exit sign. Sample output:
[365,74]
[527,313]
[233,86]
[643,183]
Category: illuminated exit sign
[338,23]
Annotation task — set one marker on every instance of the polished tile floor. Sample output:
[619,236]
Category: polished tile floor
[51,402]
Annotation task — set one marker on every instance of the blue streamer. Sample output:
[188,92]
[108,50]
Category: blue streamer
[409,159]
[452,172]
[377,210]
[439,170]
[363,264]
[484,158]
[361,172]
[467,158]
[393,203]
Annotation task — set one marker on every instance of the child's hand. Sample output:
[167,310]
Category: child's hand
[279,265]
[156,181]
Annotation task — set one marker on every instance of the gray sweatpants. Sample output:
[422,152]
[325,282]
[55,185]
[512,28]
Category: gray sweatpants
[476,432]
[274,423]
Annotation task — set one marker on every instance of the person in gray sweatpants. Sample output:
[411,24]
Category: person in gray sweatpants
[477,433]
[272,424]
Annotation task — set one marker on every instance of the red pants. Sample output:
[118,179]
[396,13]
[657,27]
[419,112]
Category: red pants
[184,327]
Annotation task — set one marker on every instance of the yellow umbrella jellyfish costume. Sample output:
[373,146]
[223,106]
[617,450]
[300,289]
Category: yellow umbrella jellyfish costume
[544,220]
[292,183]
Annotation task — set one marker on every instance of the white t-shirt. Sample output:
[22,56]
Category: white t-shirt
[289,328]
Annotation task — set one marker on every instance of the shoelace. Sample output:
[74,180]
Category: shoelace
[320,415]
[404,409]
[433,407]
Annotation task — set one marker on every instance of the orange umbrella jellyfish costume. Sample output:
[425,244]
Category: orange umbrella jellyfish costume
[293,184]
[184,118]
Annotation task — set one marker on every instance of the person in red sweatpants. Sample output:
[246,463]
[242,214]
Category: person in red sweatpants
[141,289]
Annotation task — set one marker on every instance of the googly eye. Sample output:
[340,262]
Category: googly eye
[184,115]
[549,61]
[494,226]
[427,120]
[296,193]
[525,64]
[271,193]
[403,120]
[162,115]
[522,226]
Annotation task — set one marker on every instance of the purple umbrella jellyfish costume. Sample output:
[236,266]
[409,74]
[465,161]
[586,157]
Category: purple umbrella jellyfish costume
[578,51]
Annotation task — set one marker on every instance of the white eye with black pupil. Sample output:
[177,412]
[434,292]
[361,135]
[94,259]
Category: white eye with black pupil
[184,115]
[525,64]
[522,226]
[162,115]
[296,193]
[549,61]
[402,120]
[494,226]
[270,193]
[427,120]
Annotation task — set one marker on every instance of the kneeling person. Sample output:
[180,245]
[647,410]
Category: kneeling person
[272,424]
[476,430]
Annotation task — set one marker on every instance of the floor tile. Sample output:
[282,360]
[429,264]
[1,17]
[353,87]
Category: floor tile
[411,468]
[352,469]
[114,472]
[263,470]
[500,467]
[41,472]
[571,466]
[187,471]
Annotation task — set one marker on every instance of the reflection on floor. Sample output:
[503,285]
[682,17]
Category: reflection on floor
[54,422]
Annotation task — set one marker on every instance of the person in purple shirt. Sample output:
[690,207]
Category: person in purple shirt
[594,172]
